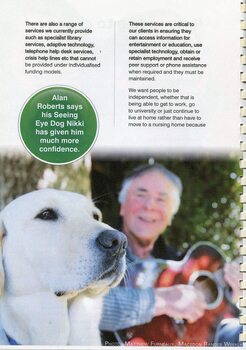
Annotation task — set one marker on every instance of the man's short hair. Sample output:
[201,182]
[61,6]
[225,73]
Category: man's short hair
[143,169]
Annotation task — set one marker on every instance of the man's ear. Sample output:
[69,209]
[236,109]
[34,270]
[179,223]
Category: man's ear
[2,231]
[122,209]
[170,221]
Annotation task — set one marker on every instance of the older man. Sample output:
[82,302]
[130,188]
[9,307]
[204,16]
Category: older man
[149,198]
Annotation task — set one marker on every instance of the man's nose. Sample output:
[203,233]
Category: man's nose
[149,203]
[112,241]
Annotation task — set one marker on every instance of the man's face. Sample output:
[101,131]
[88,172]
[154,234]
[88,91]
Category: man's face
[147,209]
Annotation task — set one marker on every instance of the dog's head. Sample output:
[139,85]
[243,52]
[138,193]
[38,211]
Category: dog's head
[52,240]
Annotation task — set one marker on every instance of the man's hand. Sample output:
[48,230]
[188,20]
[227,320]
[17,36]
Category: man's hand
[180,302]
[232,276]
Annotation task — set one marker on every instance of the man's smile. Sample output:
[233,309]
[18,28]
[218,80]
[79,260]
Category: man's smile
[147,220]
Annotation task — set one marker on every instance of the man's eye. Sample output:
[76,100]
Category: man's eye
[141,195]
[47,214]
[96,217]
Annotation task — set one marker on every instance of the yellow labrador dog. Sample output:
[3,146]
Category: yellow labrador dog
[57,260]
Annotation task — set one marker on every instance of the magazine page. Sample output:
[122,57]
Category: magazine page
[120,179]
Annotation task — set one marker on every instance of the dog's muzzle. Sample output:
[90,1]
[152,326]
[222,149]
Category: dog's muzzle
[112,241]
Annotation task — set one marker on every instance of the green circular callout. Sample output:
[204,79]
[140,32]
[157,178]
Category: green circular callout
[58,125]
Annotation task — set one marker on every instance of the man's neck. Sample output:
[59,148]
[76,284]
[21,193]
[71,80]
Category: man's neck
[142,251]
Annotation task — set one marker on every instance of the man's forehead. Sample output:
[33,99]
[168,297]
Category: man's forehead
[152,180]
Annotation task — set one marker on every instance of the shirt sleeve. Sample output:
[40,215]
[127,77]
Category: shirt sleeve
[126,307]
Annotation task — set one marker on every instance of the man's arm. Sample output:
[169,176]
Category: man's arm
[127,307]
[232,277]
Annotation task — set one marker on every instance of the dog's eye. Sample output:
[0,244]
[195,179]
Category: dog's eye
[47,214]
[4,232]
[97,216]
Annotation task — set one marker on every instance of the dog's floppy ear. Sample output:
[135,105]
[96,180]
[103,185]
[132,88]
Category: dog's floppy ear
[2,232]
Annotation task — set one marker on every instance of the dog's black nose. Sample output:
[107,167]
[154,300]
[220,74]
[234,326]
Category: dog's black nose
[113,241]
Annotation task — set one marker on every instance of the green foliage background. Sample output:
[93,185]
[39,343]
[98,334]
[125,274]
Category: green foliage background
[22,173]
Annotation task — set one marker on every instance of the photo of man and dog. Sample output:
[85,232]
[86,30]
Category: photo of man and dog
[129,252]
